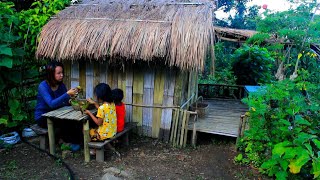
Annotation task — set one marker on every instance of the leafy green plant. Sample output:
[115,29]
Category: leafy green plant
[252,65]
[284,129]
[18,36]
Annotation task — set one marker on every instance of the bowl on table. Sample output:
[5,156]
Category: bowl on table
[80,104]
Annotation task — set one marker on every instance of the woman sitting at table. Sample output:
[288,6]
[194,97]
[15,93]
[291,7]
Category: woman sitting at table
[53,94]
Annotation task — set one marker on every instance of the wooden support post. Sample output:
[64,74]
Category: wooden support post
[86,139]
[51,137]
[194,133]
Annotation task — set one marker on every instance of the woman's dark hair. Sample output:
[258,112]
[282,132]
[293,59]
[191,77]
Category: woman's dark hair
[103,92]
[117,95]
[50,72]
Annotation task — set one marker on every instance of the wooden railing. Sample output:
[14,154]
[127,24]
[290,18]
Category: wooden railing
[221,91]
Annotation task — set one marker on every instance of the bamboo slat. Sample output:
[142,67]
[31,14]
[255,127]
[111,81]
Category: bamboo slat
[178,88]
[110,77]
[148,89]
[157,100]
[67,74]
[114,83]
[103,70]
[82,76]
[97,76]
[137,97]
[128,99]
[166,116]
[75,74]
[89,79]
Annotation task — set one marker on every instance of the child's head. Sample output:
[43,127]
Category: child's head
[117,95]
[103,92]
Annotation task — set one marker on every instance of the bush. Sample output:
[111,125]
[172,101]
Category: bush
[284,129]
[252,65]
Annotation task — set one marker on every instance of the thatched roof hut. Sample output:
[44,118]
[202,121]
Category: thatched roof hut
[176,32]
[152,49]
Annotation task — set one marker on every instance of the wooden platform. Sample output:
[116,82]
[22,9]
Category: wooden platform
[223,117]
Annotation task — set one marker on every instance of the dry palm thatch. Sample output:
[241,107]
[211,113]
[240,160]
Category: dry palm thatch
[175,32]
[230,34]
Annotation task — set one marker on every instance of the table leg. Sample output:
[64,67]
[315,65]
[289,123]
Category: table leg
[86,139]
[51,137]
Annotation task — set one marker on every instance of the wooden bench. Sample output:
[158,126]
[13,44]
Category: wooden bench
[42,133]
[99,146]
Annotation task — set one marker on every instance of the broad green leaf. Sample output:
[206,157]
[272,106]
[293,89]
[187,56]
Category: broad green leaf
[281,175]
[14,105]
[315,168]
[290,153]
[300,120]
[316,142]
[299,55]
[284,164]
[6,62]
[5,50]
[280,148]
[268,164]
[296,164]
[12,124]
[3,121]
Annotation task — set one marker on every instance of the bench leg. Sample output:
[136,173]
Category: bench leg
[100,155]
[126,139]
[52,140]
[43,142]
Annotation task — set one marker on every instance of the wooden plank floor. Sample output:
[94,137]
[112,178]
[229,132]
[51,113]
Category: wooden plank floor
[223,117]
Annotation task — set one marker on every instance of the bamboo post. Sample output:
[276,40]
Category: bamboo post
[186,130]
[51,137]
[182,127]
[86,139]
[194,133]
[172,125]
[176,127]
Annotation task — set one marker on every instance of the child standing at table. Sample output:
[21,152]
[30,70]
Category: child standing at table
[106,118]
[120,108]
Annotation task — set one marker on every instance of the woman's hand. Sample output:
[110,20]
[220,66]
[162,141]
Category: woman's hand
[72,92]
[91,101]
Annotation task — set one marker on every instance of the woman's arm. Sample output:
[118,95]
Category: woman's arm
[51,101]
[98,121]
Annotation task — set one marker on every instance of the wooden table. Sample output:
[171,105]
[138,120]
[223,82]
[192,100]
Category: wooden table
[68,113]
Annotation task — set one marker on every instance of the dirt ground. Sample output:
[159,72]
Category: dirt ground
[145,158]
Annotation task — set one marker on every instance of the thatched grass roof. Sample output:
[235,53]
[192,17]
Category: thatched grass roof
[177,33]
[236,35]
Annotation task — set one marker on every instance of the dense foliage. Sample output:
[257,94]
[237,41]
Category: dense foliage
[282,139]
[252,65]
[18,68]
[223,66]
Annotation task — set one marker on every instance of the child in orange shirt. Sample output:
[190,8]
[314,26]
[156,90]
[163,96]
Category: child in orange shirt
[120,108]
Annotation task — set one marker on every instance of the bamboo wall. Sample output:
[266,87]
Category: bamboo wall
[142,85]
